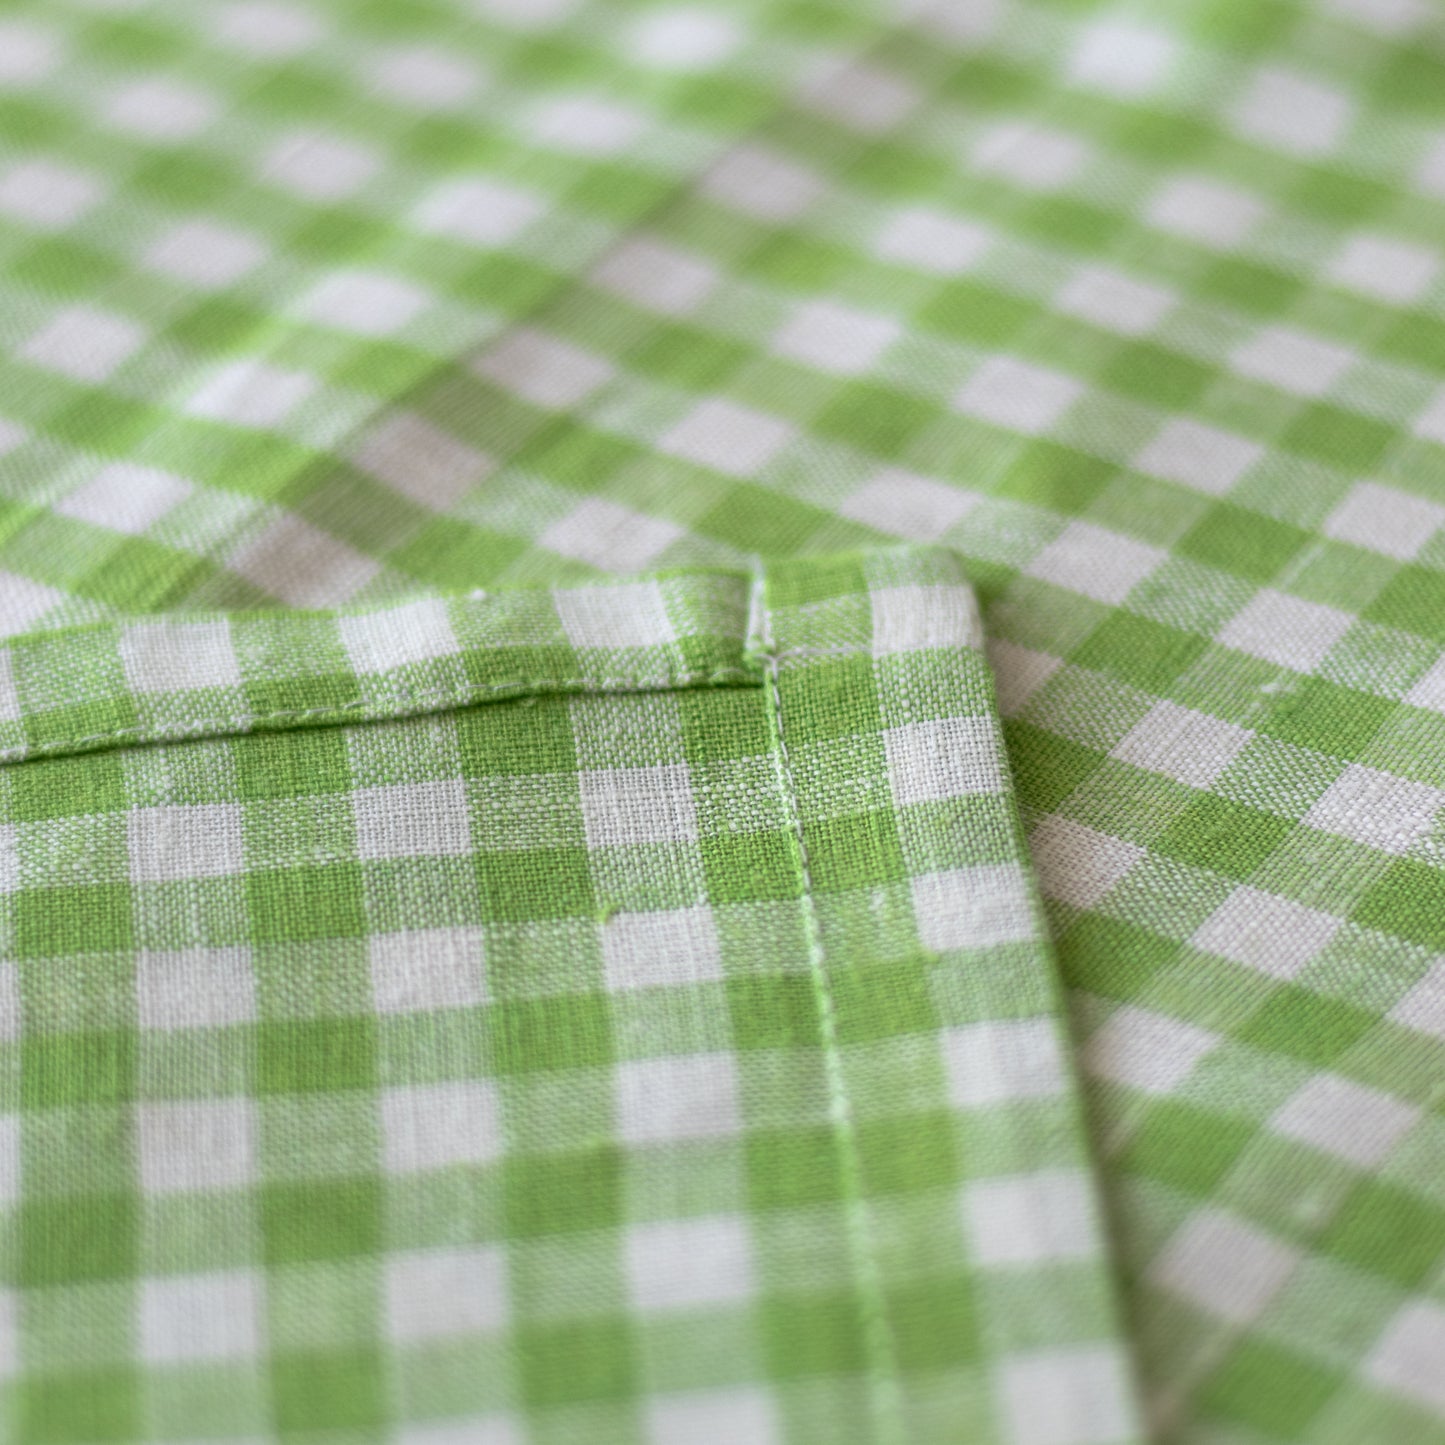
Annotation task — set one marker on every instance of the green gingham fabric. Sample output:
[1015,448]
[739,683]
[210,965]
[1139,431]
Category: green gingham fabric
[667,1049]
[1130,316]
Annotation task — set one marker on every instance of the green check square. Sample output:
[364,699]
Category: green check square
[293,765]
[83,918]
[1224,836]
[321,1055]
[750,867]
[539,1035]
[96,1067]
[813,1335]
[575,1362]
[1322,715]
[80,1405]
[536,883]
[1408,900]
[563,1193]
[1271,1390]
[1237,540]
[338,1391]
[321,1220]
[855,852]
[540,740]
[75,1238]
[67,787]
[1387,1230]
[789,1168]
[1335,1026]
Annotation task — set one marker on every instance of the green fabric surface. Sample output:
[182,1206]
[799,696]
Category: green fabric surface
[664,1048]
[328,329]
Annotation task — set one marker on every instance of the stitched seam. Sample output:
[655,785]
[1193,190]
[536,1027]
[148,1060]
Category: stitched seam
[399,705]
[883,1391]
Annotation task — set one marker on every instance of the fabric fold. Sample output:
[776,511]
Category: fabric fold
[668,1049]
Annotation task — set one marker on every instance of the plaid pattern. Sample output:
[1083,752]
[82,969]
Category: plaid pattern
[1135,309]
[629,1058]
[160,680]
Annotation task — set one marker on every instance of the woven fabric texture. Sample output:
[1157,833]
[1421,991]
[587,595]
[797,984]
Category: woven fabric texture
[318,316]
[633,1058]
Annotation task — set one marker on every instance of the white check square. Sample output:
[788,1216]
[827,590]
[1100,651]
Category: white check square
[1385,519]
[932,241]
[302,565]
[479,212]
[1377,809]
[204,254]
[907,619]
[1101,564]
[906,505]
[421,461]
[1073,1396]
[123,497]
[163,657]
[1406,1358]
[1191,747]
[1025,1219]
[250,394]
[83,343]
[622,806]
[190,840]
[435,1126]
[763,184]
[631,614]
[1113,301]
[543,369]
[1198,456]
[201,1317]
[836,338]
[1003,1059]
[657,275]
[427,969]
[974,907]
[399,636]
[1031,156]
[672,948]
[1273,935]
[1292,360]
[1146,1050]
[946,758]
[741,1416]
[1206,211]
[689,1096]
[1076,864]
[196,1145]
[413,820]
[1224,1266]
[1017,395]
[726,437]
[689,1264]
[437,1294]
[1289,631]
[195,988]
[364,303]
[1351,1121]
[1293,113]
[610,537]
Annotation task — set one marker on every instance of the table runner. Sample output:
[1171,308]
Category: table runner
[1135,310]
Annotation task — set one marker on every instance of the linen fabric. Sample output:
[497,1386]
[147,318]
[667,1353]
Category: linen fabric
[1134,311]
[666,1049]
